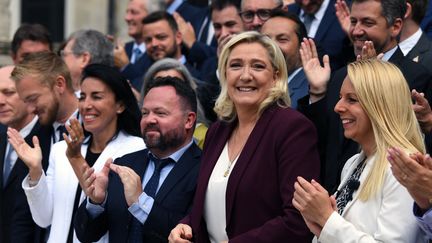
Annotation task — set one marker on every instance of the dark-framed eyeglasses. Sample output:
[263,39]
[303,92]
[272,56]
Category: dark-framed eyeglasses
[263,14]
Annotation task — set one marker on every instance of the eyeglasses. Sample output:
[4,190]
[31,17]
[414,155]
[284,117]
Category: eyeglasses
[248,16]
[263,14]
[64,53]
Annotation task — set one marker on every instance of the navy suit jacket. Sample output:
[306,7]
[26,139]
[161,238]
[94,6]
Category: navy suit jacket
[334,148]
[16,223]
[173,201]
[330,38]
[298,88]
[193,14]
[426,23]
[135,72]
[260,188]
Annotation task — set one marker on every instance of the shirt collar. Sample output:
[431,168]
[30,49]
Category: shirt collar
[293,74]
[25,131]
[407,45]
[177,154]
[57,124]
[182,59]
[389,53]
[141,46]
[174,6]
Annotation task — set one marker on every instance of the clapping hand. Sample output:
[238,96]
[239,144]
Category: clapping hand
[415,173]
[182,233]
[317,75]
[121,58]
[368,51]
[314,203]
[343,15]
[32,157]
[131,182]
[74,140]
[95,185]
[422,111]
[186,29]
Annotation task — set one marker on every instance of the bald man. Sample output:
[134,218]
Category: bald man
[16,223]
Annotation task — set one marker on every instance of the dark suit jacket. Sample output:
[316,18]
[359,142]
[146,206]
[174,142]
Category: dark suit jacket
[298,88]
[426,23]
[16,223]
[330,38]
[135,72]
[192,14]
[260,188]
[334,148]
[422,52]
[172,202]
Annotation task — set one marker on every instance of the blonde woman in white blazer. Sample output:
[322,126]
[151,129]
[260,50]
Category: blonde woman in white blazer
[111,115]
[370,204]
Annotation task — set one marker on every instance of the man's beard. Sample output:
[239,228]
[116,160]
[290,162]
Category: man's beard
[171,139]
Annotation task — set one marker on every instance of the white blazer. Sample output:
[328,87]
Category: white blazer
[386,217]
[52,199]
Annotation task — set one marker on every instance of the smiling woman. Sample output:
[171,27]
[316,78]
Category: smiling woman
[252,156]
[110,114]
[370,205]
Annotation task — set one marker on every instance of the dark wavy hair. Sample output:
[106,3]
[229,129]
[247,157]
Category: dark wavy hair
[129,119]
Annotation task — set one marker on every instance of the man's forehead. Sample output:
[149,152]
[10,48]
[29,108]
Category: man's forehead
[160,26]
[258,4]
[230,12]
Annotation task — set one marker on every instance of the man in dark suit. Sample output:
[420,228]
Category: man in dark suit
[16,223]
[368,23]
[426,23]
[319,17]
[131,58]
[413,41]
[145,200]
[163,39]
[288,31]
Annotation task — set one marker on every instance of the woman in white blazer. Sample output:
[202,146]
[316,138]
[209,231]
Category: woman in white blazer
[111,115]
[370,204]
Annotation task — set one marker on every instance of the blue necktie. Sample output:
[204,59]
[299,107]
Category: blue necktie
[152,185]
[308,19]
[138,53]
[7,164]
[135,230]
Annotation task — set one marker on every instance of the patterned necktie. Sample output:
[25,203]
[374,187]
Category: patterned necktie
[152,185]
[7,164]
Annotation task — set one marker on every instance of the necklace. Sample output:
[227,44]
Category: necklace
[237,153]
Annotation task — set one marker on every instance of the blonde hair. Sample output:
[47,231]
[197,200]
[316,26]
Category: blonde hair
[384,95]
[46,66]
[224,106]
